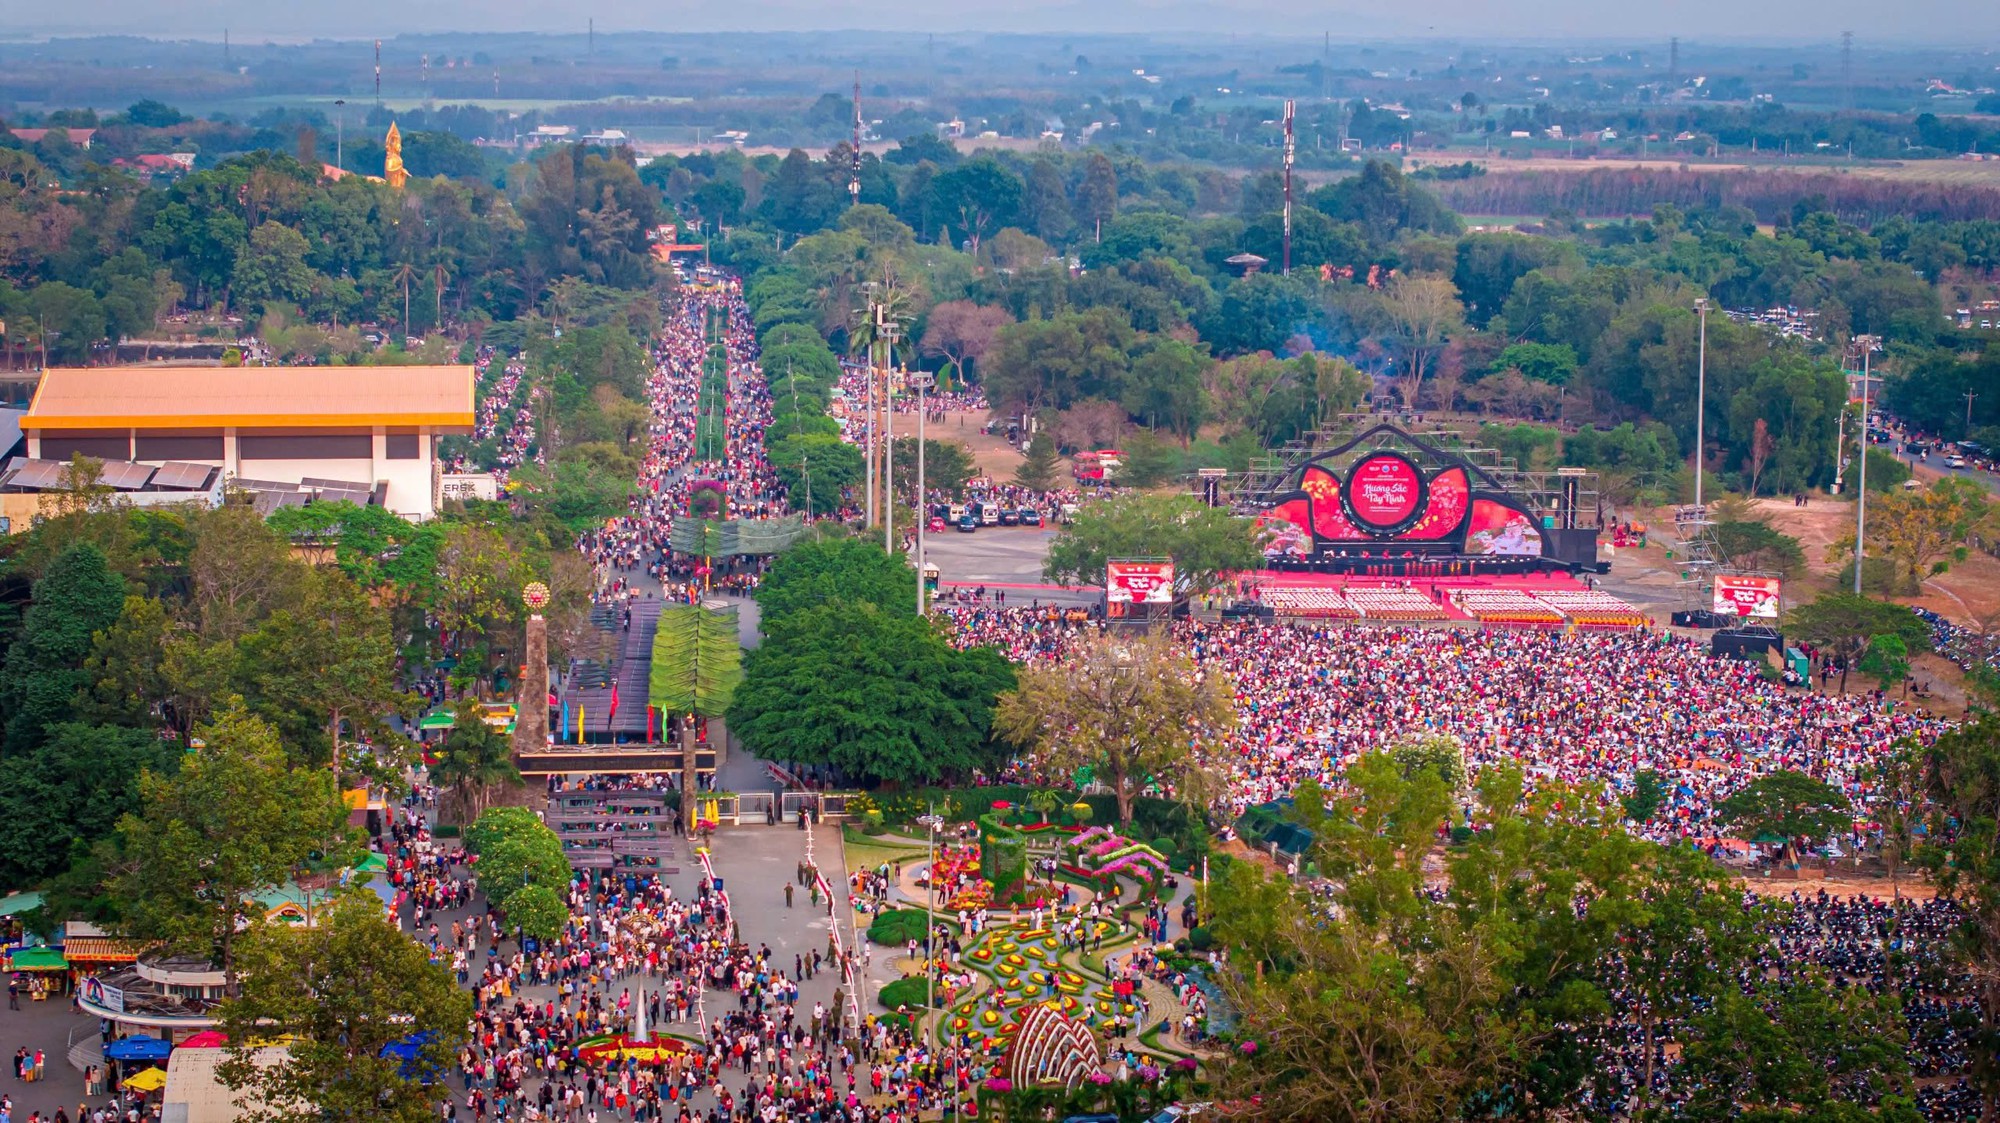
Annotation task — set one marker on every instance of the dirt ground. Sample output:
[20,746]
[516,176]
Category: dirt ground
[991,452]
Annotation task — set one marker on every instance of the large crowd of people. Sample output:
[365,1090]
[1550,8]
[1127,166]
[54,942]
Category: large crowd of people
[1576,708]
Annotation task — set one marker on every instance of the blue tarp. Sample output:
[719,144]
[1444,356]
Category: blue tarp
[410,1051]
[138,1049]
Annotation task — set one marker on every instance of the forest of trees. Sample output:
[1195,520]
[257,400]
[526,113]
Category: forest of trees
[1091,287]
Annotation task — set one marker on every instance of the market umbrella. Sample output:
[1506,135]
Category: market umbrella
[138,1049]
[439,720]
[150,1080]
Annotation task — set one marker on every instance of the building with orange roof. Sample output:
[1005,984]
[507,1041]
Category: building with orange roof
[367,434]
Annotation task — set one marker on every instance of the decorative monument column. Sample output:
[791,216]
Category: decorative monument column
[531,719]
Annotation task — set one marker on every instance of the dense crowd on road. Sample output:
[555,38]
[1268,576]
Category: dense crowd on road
[505,415]
[1575,708]
[638,541]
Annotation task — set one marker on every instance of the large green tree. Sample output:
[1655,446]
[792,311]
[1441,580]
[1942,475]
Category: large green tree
[818,571]
[339,993]
[76,597]
[1129,709]
[237,819]
[69,792]
[875,693]
[1203,542]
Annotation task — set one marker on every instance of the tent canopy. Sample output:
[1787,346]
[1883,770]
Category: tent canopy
[138,1049]
[148,1080]
[38,959]
[15,904]
[440,720]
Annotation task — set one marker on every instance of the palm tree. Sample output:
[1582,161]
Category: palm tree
[441,273]
[474,760]
[403,276]
[697,665]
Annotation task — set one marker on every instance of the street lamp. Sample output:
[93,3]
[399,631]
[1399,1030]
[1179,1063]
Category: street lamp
[1700,398]
[340,133]
[1867,343]
[923,381]
[932,822]
[890,332]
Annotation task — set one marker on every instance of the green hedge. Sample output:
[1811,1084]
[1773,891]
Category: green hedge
[904,992]
[897,927]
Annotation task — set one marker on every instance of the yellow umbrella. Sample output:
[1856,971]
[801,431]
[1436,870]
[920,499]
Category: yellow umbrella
[149,1080]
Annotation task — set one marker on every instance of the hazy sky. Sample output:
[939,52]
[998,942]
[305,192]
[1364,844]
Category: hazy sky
[1946,22]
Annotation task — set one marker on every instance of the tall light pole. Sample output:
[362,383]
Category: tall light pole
[340,133]
[922,380]
[931,822]
[1867,343]
[890,332]
[1700,397]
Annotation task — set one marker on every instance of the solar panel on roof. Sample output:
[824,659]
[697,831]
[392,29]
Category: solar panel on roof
[335,495]
[263,485]
[124,475]
[333,485]
[269,501]
[24,472]
[178,475]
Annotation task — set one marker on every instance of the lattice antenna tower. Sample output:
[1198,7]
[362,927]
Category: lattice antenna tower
[854,163]
[1847,69]
[1291,108]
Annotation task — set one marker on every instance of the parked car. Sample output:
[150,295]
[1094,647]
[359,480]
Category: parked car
[1030,517]
[936,524]
[989,515]
[1954,461]
[968,523]
[1010,517]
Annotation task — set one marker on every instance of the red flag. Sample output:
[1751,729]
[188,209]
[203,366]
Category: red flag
[614,702]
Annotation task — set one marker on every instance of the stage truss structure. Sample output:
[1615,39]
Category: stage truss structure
[1570,490]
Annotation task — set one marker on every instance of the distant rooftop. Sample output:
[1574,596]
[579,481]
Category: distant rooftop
[86,398]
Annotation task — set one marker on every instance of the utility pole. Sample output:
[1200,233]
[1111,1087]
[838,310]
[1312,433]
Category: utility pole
[1969,395]
[1867,344]
[1290,110]
[378,72]
[868,429]
[340,133]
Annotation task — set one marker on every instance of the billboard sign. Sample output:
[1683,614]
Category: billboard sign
[1753,598]
[1139,582]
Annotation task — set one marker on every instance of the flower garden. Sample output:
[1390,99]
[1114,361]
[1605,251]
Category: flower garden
[1024,968]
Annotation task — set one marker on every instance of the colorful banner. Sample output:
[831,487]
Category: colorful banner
[1132,582]
[1747,597]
